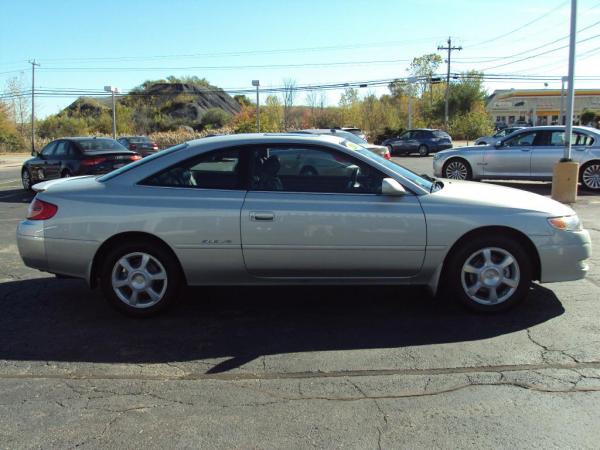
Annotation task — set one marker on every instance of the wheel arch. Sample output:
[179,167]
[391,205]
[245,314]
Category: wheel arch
[521,237]
[458,158]
[585,164]
[124,237]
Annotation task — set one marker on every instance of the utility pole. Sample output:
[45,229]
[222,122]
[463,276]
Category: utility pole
[411,81]
[449,48]
[562,100]
[257,84]
[33,64]
[113,90]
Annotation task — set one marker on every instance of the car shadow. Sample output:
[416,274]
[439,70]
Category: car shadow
[51,319]
[16,196]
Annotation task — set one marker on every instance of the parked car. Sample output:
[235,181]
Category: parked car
[380,150]
[356,131]
[491,140]
[141,144]
[223,210]
[422,141]
[528,154]
[73,156]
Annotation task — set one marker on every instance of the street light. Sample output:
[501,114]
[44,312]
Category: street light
[113,90]
[257,84]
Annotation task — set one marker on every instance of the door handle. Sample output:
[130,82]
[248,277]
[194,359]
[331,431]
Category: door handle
[262,216]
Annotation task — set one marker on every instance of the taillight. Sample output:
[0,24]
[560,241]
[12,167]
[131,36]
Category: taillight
[92,161]
[387,155]
[154,147]
[135,157]
[132,146]
[41,210]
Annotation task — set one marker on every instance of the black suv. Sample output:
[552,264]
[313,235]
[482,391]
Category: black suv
[421,140]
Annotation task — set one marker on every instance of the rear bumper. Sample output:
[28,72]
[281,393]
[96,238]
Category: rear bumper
[564,256]
[31,244]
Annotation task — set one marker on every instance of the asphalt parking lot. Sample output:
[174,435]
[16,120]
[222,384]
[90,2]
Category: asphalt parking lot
[367,367]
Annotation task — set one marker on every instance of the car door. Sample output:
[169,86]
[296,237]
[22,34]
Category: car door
[547,151]
[40,165]
[510,157]
[57,159]
[403,142]
[199,202]
[329,223]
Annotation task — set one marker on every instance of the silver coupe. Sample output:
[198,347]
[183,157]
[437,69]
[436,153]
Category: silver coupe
[245,210]
[528,154]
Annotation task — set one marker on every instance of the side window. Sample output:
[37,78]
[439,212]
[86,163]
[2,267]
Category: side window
[522,139]
[72,151]
[61,150]
[557,138]
[581,139]
[215,170]
[48,149]
[311,169]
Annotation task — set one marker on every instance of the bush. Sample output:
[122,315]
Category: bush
[215,118]
[471,125]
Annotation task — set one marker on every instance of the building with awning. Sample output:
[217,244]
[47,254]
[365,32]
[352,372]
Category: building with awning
[538,106]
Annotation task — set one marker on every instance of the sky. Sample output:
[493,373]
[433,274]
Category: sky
[90,44]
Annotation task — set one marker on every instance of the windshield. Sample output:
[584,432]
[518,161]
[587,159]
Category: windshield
[139,140]
[403,171]
[351,137]
[139,162]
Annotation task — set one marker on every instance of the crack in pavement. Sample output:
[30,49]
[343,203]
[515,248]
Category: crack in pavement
[546,349]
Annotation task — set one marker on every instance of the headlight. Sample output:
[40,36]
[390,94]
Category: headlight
[565,223]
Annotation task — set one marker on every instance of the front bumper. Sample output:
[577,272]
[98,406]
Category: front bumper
[564,255]
[31,244]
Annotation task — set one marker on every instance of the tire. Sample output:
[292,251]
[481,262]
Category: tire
[457,169]
[26,179]
[423,150]
[589,176]
[309,171]
[145,261]
[487,265]
[66,173]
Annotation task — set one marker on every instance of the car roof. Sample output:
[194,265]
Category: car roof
[85,138]
[561,128]
[260,138]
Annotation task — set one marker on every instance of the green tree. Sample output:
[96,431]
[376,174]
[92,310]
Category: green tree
[424,68]
[271,115]
[242,100]
[588,116]
[466,94]
[471,125]
[215,118]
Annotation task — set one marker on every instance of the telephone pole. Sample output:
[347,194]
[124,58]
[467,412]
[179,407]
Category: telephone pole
[449,48]
[33,64]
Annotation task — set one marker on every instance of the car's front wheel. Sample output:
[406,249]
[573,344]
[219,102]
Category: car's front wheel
[139,279]
[489,274]
[590,176]
[457,169]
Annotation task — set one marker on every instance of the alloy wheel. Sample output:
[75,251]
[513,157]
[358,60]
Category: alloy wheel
[456,170]
[490,276]
[139,280]
[591,177]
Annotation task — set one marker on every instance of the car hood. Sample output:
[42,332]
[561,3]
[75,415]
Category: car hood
[491,195]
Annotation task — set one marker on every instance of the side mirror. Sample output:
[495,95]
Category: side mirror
[499,144]
[389,186]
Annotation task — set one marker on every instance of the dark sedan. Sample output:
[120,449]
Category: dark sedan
[75,156]
[141,144]
[422,141]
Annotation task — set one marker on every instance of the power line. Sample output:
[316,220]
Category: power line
[478,44]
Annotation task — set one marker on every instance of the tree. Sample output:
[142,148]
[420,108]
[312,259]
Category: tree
[271,115]
[588,117]
[471,125]
[465,95]
[215,118]
[289,95]
[424,68]
[242,100]
[312,100]
[20,104]
[350,113]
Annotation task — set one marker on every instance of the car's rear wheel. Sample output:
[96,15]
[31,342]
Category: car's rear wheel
[423,150]
[139,279]
[489,274]
[26,179]
[590,176]
[65,173]
[457,169]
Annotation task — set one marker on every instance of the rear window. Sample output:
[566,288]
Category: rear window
[95,145]
[441,134]
[139,140]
